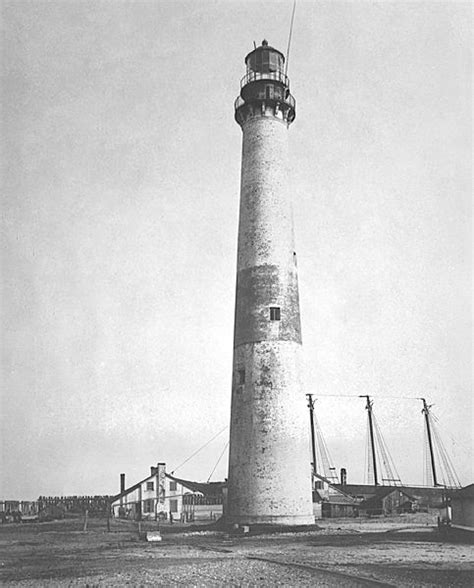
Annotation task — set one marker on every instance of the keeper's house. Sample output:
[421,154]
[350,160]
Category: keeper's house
[161,496]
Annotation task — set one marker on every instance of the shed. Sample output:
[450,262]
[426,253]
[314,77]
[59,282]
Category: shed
[387,500]
[462,508]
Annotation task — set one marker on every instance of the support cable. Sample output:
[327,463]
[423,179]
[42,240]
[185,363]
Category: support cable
[217,462]
[438,453]
[200,449]
[448,472]
[326,459]
[391,472]
[445,433]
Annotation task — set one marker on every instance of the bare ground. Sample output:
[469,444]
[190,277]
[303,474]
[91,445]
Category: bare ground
[404,552]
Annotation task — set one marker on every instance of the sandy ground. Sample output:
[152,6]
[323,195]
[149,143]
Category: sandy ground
[404,551]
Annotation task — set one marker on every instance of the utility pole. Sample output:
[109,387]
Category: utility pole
[426,412]
[368,407]
[311,422]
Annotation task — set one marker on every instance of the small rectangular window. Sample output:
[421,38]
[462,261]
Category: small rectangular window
[241,377]
[274,313]
[149,486]
[274,62]
[149,506]
[173,506]
[173,486]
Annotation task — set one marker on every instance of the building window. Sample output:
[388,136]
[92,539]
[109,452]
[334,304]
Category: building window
[274,313]
[173,506]
[150,486]
[173,486]
[241,374]
[148,506]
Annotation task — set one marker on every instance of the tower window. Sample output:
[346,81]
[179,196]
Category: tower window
[241,374]
[274,313]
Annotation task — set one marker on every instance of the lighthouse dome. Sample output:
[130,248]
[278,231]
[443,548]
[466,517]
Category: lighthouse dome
[265,59]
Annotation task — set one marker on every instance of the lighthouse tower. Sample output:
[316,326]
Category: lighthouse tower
[269,462]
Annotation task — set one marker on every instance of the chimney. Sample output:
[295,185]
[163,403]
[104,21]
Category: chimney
[122,483]
[343,476]
[153,470]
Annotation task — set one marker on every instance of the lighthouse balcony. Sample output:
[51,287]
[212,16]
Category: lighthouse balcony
[289,101]
[256,76]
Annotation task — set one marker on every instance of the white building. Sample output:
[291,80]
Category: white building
[161,496]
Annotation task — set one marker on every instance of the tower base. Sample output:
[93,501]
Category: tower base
[277,521]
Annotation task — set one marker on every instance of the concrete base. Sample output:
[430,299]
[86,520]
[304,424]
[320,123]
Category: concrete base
[259,529]
[278,521]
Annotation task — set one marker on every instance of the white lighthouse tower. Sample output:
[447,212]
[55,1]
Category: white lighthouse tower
[269,461]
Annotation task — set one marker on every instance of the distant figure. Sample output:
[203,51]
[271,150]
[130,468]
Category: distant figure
[171,518]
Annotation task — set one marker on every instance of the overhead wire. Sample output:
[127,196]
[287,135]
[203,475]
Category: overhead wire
[449,474]
[200,449]
[218,460]
[372,396]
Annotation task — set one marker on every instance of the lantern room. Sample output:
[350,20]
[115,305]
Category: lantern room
[265,60]
[265,83]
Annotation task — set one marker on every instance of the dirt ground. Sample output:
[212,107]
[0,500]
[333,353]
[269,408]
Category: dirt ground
[406,551]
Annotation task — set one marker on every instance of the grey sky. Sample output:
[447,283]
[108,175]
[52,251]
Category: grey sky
[120,198]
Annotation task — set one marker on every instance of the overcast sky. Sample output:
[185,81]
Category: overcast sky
[120,198]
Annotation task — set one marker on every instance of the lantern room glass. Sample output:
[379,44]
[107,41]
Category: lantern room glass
[264,61]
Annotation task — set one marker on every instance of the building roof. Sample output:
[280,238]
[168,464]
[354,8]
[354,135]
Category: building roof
[206,488]
[263,46]
[336,495]
[383,491]
[340,498]
[357,489]
[466,492]
[376,500]
[132,488]
[426,492]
